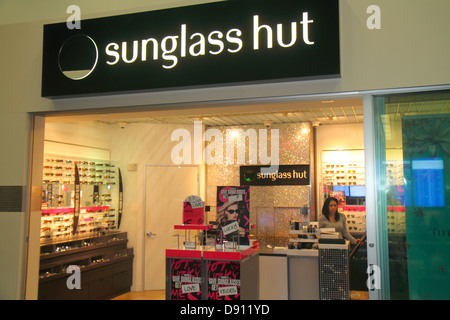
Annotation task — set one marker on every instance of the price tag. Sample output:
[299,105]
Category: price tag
[190,288]
[189,245]
[230,228]
[234,198]
[228,291]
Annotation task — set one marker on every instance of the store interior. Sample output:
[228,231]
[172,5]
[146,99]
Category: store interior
[145,143]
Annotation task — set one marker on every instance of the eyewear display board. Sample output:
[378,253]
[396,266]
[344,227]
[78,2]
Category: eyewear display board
[230,42]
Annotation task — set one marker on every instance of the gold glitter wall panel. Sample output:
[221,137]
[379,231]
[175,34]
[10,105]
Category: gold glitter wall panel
[271,207]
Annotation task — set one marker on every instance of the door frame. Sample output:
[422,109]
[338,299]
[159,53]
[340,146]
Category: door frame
[144,213]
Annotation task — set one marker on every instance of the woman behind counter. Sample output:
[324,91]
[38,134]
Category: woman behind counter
[331,218]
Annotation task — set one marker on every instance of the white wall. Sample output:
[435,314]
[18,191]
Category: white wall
[141,144]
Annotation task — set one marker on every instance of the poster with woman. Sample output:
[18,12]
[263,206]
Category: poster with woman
[233,214]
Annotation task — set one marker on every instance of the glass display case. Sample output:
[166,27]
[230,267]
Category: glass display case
[105,259]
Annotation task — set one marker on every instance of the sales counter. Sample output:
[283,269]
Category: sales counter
[306,274]
[255,273]
[208,273]
[289,274]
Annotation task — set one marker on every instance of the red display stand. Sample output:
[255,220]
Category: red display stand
[197,272]
[210,274]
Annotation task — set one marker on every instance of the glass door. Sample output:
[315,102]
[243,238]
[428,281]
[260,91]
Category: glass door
[412,191]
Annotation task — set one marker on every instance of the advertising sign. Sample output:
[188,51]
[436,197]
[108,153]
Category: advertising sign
[193,210]
[233,214]
[186,279]
[224,280]
[286,175]
[227,42]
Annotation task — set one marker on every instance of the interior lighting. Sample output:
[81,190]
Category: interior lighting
[234,134]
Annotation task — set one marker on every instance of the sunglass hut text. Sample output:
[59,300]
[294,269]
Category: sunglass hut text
[173,47]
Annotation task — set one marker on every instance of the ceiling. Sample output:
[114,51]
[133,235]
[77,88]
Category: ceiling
[339,111]
[400,109]
[324,112]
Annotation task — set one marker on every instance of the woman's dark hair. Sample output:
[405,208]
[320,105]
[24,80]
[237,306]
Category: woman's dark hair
[325,211]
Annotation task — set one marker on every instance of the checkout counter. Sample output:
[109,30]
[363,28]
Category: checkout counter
[317,270]
[305,274]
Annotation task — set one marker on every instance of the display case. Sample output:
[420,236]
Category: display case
[99,197]
[105,264]
[303,235]
[79,222]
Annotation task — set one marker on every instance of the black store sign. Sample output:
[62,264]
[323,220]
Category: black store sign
[229,42]
[285,175]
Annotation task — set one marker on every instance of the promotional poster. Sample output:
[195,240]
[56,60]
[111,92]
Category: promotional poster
[193,210]
[186,279]
[224,280]
[233,214]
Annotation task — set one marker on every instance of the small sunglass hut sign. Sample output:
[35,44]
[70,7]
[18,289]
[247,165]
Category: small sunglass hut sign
[227,42]
[285,175]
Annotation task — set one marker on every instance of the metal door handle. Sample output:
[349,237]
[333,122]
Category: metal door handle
[149,234]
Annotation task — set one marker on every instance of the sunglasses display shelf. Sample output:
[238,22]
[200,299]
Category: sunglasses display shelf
[99,198]
[105,264]
[343,173]
[396,220]
[347,174]
[356,218]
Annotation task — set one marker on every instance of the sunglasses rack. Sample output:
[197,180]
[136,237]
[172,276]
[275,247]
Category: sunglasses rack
[99,197]
[356,218]
[343,176]
[343,173]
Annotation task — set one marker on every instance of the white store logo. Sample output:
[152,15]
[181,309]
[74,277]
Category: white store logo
[79,54]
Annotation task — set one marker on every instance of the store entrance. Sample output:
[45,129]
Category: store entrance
[141,144]
[166,187]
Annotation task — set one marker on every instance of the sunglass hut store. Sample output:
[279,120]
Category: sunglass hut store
[165,143]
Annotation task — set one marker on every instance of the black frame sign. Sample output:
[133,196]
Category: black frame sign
[221,43]
[284,175]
